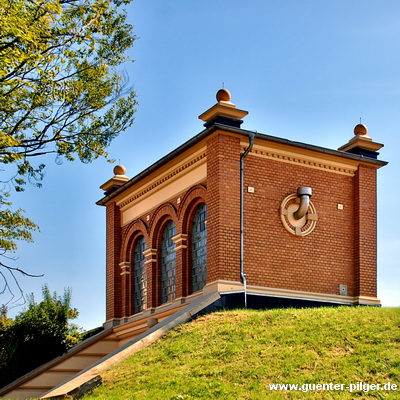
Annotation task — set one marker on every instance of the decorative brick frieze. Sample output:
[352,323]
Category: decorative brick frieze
[310,162]
[164,179]
[130,234]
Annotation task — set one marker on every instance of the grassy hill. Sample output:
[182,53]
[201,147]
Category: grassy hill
[239,354]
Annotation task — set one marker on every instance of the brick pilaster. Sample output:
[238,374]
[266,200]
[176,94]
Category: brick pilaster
[113,277]
[365,230]
[127,289]
[223,208]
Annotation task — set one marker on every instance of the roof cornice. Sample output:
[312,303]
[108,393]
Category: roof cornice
[215,127]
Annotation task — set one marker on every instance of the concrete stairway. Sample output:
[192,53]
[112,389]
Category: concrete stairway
[42,379]
[72,373]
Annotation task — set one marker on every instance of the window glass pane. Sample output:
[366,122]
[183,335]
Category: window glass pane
[139,276]
[199,249]
[168,268]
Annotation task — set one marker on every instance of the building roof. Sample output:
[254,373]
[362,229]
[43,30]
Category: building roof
[232,129]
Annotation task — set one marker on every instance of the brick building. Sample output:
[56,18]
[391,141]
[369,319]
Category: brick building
[259,219]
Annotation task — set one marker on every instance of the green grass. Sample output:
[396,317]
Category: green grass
[237,354]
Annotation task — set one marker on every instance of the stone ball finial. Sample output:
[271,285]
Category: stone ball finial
[223,95]
[360,129]
[119,170]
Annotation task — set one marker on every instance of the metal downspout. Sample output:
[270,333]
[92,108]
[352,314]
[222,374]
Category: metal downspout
[303,193]
[242,157]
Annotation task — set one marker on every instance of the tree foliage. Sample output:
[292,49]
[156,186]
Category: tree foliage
[61,91]
[37,335]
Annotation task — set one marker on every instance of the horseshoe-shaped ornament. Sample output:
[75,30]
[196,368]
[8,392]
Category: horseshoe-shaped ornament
[298,213]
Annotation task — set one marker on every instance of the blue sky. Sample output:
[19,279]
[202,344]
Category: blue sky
[305,71]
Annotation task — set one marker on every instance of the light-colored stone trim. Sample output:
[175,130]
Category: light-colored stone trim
[125,264]
[223,286]
[225,109]
[305,225]
[150,252]
[163,179]
[180,237]
[180,241]
[116,181]
[303,160]
[368,300]
[180,247]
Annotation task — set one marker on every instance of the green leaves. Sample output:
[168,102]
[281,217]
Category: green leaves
[38,334]
[13,227]
[60,89]
[57,69]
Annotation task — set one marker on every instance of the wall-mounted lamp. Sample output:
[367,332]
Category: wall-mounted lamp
[298,214]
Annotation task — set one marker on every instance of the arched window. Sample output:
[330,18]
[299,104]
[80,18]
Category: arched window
[168,267]
[199,249]
[139,276]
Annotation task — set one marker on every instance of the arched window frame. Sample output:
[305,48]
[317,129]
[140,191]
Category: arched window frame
[139,276]
[198,254]
[168,263]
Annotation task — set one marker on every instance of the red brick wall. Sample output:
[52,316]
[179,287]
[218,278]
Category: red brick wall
[130,235]
[159,219]
[223,208]
[187,210]
[113,278]
[121,242]
[365,230]
[341,249]
[274,257]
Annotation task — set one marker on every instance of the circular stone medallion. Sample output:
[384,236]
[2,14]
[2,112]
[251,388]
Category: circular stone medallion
[298,227]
